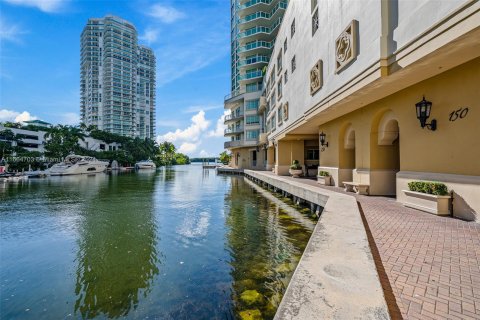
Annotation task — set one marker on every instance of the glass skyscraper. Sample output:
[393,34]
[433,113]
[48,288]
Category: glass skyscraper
[117,84]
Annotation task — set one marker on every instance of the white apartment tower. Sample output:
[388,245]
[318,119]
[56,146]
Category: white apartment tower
[254,26]
[117,79]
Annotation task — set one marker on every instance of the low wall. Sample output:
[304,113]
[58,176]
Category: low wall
[336,277]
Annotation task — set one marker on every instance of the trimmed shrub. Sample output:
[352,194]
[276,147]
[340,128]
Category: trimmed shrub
[324,174]
[296,165]
[435,188]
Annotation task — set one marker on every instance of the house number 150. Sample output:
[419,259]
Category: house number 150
[458,114]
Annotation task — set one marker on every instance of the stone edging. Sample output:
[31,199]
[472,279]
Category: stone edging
[336,277]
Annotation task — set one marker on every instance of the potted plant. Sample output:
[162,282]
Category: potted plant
[296,169]
[324,178]
[431,197]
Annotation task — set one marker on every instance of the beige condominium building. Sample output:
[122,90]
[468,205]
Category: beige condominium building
[254,25]
[378,93]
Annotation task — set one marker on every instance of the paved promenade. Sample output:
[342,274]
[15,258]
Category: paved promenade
[429,266]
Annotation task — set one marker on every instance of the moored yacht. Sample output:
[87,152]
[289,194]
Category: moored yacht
[75,164]
[145,164]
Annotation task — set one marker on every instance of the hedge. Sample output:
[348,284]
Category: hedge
[435,188]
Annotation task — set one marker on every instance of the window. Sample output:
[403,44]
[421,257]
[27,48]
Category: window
[294,64]
[252,134]
[253,120]
[279,62]
[279,87]
[285,46]
[252,104]
[313,154]
[292,29]
[285,76]
[315,22]
[279,115]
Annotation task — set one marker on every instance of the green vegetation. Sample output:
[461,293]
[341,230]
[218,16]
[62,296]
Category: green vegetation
[61,140]
[324,174]
[225,157]
[434,188]
[296,165]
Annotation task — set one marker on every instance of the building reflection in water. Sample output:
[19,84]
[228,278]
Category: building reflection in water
[117,257]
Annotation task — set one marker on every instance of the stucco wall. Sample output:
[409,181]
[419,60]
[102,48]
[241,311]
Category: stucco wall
[450,151]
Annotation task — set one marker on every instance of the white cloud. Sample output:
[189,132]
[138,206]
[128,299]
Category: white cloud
[164,13]
[10,32]
[70,118]
[193,109]
[190,134]
[204,154]
[150,35]
[187,148]
[43,5]
[14,116]
[220,127]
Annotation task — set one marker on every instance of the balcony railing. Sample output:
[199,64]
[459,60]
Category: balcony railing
[252,60]
[251,75]
[253,2]
[233,116]
[233,94]
[234,130]
[255,45]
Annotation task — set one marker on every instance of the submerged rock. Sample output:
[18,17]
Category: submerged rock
[254,314]
[251,297]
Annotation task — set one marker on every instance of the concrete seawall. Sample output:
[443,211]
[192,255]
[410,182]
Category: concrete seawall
[336,277]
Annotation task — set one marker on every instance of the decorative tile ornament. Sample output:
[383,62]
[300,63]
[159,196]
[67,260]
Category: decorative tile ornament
[346,46]
[285,111]
[316,77]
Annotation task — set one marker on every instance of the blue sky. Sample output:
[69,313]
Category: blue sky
[39,62]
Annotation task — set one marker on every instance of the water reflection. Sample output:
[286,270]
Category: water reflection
[117,257]
[265,244]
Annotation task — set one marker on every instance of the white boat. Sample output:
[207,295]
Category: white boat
[75,164]
[145,164]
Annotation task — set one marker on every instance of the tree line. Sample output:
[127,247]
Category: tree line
[62,140]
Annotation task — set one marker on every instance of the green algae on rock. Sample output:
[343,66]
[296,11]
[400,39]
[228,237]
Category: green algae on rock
[251,315]
[251,297]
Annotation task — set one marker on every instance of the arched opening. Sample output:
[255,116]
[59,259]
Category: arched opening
[346,157]
[384,154]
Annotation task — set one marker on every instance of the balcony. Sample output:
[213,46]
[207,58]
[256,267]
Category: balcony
[253,60]
[251,75]
[233,130]
[256,47]
[240,143]
[233,117]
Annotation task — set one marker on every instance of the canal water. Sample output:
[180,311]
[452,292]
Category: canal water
[179,243]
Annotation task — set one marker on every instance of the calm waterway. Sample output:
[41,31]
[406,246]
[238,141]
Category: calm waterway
[179,243]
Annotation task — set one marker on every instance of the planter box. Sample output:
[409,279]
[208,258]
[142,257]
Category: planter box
[296,173]
[325,180]
[439,205]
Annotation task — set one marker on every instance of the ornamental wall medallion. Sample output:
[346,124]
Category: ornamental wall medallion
[346,46]
[316,80]
[285,111]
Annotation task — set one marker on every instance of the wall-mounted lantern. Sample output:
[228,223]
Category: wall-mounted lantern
[424,108]
[323,143]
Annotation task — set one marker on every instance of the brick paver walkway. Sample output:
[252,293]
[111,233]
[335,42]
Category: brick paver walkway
[430,265]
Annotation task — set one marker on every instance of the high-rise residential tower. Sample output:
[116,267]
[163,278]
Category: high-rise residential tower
[254,25]
[117,84]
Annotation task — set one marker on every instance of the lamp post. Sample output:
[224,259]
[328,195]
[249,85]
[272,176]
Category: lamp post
[424,108]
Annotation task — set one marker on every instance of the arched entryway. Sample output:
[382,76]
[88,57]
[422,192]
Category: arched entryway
[346,156]
[384,153]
